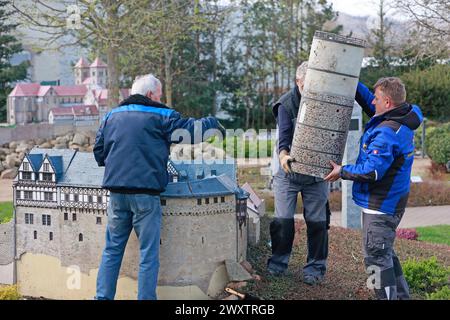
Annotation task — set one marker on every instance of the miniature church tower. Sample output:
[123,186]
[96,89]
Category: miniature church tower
[81,70]
[98,74]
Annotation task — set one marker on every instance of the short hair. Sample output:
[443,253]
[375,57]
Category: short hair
[301,71]
[393,88]
[143,84]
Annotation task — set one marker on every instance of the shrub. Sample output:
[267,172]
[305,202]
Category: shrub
[438,144]
[428,88]
[425,276]
[429,194]
[442,294]
[9,293]
[408,234]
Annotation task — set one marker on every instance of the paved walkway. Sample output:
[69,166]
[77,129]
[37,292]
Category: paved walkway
[414,217]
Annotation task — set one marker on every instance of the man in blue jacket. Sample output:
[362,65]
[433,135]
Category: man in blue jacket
[381,178]
[133,143]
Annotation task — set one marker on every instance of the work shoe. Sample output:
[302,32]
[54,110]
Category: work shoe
[312,280]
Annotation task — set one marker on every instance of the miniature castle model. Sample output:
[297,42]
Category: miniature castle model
[33,102]
[60,217]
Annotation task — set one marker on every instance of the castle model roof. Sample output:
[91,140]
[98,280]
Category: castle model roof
[79,169]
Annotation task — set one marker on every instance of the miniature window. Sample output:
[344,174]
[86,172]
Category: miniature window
[74,217]
[48,196]
[46,167]
[51,236]
[163,202]
[100,199]
[66,216]
[28,195]
[214,172]
[47,177]
[35,234]
[90,199]
[216,200]
[99,220]
[199,201]
[26,175]
[75,198]
[80,237]
[207,201]
[46,220]
[26,166]
[67,197]
[222,199]
[29,218]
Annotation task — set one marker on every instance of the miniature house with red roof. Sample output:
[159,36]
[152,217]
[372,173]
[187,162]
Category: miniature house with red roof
[86,101]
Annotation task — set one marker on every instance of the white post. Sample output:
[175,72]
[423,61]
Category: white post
[351,213]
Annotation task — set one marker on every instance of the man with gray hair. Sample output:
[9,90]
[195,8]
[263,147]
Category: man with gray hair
[133,144]
[287,185]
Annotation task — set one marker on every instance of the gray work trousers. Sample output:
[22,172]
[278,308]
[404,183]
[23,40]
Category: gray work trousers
[314,193]
[382,264]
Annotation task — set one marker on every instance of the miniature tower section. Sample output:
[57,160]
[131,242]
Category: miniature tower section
[81,71]
[99,73]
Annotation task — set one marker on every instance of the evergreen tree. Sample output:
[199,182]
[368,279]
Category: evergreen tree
[8,47]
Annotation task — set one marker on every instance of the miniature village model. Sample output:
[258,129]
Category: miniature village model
[53,245]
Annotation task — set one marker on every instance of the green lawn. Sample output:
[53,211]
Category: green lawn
[435,234]
[6,211]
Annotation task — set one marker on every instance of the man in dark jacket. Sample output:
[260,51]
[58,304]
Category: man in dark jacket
[286,186]
[381,178]
[133,143]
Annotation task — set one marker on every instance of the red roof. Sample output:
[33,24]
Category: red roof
[98,63]
[102,95]
[85,110]
[80,110]
[36,90]
[82,63]
[62,111]
[78,90]
[25,90]
[43,90]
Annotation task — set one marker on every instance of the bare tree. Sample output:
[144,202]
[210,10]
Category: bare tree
[66,24]
[429,30]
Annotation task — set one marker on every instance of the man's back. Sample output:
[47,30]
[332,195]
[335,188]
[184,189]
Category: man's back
[133,144]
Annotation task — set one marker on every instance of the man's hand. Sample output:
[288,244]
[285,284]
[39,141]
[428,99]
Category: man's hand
[285,161]
[335,173]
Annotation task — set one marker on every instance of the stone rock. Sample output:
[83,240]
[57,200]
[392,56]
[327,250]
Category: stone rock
[236,272]
[79,139]
[90,149]
[60,146]
[40,141]
[247,266]
[61,140]
[90,136]
[1,167]
[45,145]
[13,145]
[10,161]
[23,148]
[9,173]
[53,142]
[5,151]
